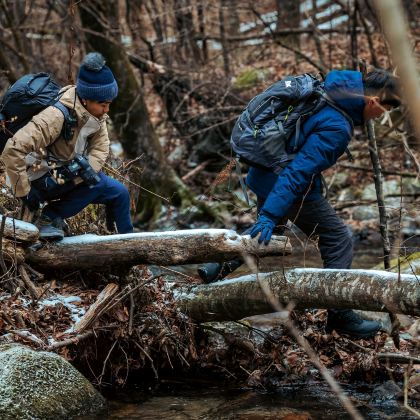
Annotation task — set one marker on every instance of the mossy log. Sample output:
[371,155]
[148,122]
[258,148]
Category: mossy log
[304,288]
[19,230]
[162,248]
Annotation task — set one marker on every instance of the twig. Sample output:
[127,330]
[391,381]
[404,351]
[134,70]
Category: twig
[33,271]
[122,295]
[116,173]
[363,168]
[127,365]
[33,290]
[106,360]
[176,272]
[28,336]
[79,337]
[196,170]
[348,405]
[299,53]
[397,358]
[150,359]
[383,218]
[131,318]
[72,340]
[2,263]
[411,409]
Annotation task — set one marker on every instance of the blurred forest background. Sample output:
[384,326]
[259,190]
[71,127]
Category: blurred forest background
[186,69]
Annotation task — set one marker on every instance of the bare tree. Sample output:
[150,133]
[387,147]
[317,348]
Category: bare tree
[129,112]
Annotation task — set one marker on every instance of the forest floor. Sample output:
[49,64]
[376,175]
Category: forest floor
[144,337]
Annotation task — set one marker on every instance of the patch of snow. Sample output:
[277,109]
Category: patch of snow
[75,312]
[369,273]
[92,239]
[31,336]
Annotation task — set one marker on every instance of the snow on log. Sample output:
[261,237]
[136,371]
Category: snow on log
[305,288]
[20,230]
[162,248]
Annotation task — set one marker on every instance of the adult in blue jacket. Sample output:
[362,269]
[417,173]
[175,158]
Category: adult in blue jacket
[296,193]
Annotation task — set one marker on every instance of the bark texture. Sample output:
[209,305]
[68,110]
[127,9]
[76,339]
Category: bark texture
[163,248]
[305,288]
[20,231]
[12,252]
[96,308]
[129,112]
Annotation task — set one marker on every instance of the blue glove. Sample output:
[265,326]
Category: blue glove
[264,225]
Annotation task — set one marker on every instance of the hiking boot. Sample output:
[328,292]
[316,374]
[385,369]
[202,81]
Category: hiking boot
[50,230]
[346,321]
[212,272]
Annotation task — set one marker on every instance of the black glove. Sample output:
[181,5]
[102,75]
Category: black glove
[32,200]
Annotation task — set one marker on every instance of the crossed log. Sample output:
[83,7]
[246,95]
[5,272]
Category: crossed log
[240,297]
[230,299]
[162,248]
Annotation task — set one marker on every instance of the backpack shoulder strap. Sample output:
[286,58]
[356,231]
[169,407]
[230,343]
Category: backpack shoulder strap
[70,121]
[62,108]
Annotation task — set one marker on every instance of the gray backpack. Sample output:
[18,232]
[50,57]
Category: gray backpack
[265,128]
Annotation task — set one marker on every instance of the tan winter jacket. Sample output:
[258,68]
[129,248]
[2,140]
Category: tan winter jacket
[25,153]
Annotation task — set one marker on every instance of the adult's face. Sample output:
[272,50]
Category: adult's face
[373,108]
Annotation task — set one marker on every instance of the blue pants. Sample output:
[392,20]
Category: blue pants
[70,199]
[319,218]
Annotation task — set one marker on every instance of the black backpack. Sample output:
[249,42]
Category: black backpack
[27,97]
[265,128]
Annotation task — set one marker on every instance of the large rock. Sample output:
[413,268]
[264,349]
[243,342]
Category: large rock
[392,187]
[389,187]
[365,213]
[42,385]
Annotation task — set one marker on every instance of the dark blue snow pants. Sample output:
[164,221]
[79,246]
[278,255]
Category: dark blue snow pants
[319,218]
[67,200]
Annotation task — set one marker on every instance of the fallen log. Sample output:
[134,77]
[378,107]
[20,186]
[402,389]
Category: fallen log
[162,248]
[19,230]
[304,288]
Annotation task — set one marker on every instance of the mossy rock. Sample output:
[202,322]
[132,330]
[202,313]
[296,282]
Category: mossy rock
[249,78]
[408,265]
[43,385]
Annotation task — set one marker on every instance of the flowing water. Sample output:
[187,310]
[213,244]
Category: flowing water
[195,398]
[189,400]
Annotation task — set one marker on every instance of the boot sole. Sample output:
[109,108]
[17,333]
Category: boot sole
[48,238]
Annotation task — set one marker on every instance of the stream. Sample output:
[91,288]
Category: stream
[190,400]
[205,398]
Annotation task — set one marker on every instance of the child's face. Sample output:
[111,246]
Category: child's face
[97,109]
[373,108]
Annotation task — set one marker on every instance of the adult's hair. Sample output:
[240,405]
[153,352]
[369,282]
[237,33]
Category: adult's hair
[383,84]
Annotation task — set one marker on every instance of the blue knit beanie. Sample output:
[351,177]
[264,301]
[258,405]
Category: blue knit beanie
[95,80]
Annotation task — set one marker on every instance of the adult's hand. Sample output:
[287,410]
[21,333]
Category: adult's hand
[263,226]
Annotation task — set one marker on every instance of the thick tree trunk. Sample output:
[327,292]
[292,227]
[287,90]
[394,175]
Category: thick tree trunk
[305,288]
[163,248]
[129,112]
[19,230]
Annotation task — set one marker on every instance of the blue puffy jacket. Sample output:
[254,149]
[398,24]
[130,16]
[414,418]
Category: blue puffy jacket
[323,138]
